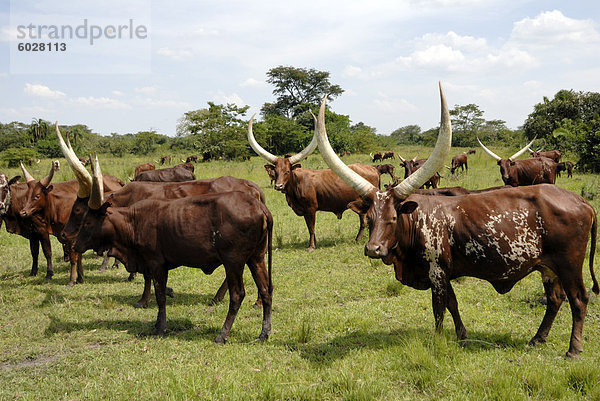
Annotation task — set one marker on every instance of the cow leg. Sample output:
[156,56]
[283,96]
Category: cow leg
[439,298]
[578,299]
[66,252]
[34,248]
[309,217]
[235,284]
[47,250]
[104,264]
[363,223]
[555,295]
[160,286]
[220,294]
[76,275]
[265,292]
[145,298]
[115,264]
[461,331]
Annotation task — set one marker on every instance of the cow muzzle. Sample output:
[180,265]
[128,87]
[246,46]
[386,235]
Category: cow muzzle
[279,187]
[375,250]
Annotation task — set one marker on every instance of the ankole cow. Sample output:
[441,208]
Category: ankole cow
[525,171]
[205,231]
[308,191]
[499,236]
[410,166]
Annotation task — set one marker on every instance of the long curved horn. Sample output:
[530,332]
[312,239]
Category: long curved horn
[489,152]
[97,191]
[271,157]
[436,160]
[401,158]
[26,174]
[46,180]
[350,177]
[83,177]
[523,150]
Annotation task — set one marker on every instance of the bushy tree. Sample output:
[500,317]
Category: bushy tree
[407,135]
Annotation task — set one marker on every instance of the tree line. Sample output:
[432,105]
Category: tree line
[569,121]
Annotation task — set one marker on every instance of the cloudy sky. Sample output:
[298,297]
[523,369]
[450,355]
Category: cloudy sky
[387,55]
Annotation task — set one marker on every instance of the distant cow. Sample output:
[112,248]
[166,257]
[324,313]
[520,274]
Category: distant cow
[388,155]
[386,169]
[271,173]
[84,160]
[471,152]
[178,173]
[376,157]
[165,159]
[32,160]
[562,166]
[410,166]
[143,167]
[346,153]
[550,154]
[459,161]
[192,158]
[525,171]
[205,231]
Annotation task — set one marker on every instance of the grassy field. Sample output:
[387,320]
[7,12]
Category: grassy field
[343,328]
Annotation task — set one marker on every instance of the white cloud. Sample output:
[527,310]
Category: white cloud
[454,40]
[253,83]
[175,54]
[391,105]
[117,93]
[101,102]
[435,56]
[42,91]
[227,99]
[146,89]
[552,27]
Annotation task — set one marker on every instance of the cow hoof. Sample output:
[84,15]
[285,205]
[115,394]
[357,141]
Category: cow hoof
[49,276]
[310,249]
[140,305]
[169,292]
[131,277]
[70,284]
[257,305]
[33,273]
[214,301]
[263,337]
[220,340]
[79,280]
[572,355]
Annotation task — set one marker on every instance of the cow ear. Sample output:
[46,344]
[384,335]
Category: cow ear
[104,207]
[408,207]
[512,163]
[48,188]
[360,206]
[499,162]
[269,167]
[13,180]
[295,166]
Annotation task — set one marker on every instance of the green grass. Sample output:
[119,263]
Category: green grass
[343,328]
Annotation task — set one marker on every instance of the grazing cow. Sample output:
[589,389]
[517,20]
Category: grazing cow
[562,166]
[459,161]
[346,153]
[376,157]
[308,191]
[271,173]
[205,231]
[550,154]
[386,169]
[32,160]
[48,206]
[12,199]
[388,155]
[410,166]
[471,152]
[84,160]
[143,167]
[165,159]
[526,171]
[178,173]
[192,158]
[498,236]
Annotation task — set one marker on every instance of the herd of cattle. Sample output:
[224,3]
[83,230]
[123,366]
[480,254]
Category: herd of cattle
[165,218]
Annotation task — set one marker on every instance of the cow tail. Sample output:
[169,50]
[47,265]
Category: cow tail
[270,247]
[595,288]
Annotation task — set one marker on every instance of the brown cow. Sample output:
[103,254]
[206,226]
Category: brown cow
[192,158]
[471,152]
[143,167]
[388,155]
[459,161]
[12,198]
[550,154]
[386,169]
[154,236]
[49,205]
[526,171]
[308,191]
[562,166]
[178,173]
[376,157]
[498,236]
[165,159]
[346,153]
[410,166]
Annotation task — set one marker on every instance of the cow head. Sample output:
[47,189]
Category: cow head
[507,166]
[91,234]
[281,169]
[36,197]
[84,179]
[384,208]
[5,196]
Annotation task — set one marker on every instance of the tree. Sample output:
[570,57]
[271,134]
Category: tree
[218,131]
[297,89]
[407,135]
[38,129]
[466,123]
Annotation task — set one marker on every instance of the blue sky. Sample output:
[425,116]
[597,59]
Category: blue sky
[504,56]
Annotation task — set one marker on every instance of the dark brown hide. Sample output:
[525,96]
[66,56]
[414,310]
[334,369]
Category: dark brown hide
[459,161]
[143,167]
[550,154]
[171,174]
[527,171]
